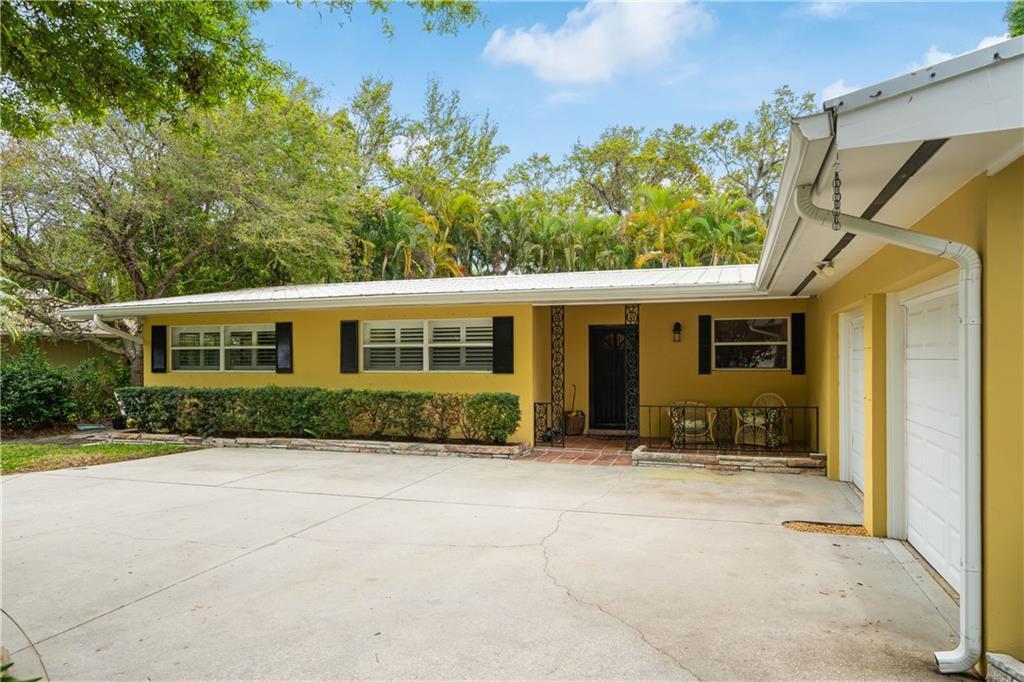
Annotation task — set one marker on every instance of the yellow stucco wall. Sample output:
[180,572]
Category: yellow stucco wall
[988,214]
[316,341]
[668,370]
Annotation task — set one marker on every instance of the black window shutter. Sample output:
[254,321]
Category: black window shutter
[798,343]
[704,344]
[158,349]
[504,345]
[349,346]
[284,347]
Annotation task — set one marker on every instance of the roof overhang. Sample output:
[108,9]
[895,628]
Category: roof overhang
[734,282]
[903,147]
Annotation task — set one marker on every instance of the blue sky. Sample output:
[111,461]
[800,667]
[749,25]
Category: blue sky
[551,73]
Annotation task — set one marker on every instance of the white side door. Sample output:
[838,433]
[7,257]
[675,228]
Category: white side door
[932,430]
[851,451]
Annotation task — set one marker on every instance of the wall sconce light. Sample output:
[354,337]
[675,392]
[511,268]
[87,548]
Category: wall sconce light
[677,332]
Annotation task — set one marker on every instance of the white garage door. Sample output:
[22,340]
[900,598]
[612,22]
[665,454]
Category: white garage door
[853,430]
[933,434]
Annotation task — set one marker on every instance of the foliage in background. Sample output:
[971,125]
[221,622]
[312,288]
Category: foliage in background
[150,59]
[35,394]
[1014,18]
[32,393]
[92,384]
[322,413]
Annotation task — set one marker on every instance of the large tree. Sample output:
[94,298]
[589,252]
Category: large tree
[750,156]
[244,196]
[145,58]
[624,158]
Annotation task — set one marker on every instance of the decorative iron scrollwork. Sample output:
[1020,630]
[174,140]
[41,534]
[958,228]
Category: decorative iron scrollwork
[632,334]
[558,374]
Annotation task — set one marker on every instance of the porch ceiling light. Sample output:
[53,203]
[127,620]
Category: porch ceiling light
[677,332]
[825,268]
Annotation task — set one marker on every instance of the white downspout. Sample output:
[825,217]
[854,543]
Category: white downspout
[99,324]
[968,652]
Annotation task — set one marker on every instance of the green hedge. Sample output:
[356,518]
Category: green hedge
[322,413]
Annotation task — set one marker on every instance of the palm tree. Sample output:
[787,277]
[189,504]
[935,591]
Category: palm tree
[546,244]
[659,224]
[506,231]
[726,230]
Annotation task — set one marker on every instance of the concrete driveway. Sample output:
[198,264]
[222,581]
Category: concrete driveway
[279,564]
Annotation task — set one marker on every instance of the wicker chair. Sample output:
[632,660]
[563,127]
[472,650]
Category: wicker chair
[692,423]
[764,423]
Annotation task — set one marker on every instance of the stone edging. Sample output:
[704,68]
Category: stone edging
[1003,668]
[364,446]
[810,465]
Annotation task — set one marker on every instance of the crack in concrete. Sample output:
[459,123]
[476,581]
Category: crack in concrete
[595,605]
[231,560]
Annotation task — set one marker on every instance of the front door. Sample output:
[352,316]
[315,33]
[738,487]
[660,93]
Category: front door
[607,377]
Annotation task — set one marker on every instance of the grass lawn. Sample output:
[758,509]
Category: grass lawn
[43,457]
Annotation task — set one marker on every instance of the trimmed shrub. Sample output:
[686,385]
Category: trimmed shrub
[322,413]
[494,415]
[33,395]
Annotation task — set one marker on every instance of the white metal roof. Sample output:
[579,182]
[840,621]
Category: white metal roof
[666,284]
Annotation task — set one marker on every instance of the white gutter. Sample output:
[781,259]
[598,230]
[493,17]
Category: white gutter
[103,326]
[968,652]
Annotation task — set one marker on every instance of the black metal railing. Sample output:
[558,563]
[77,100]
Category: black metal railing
[548,428]
[692,426]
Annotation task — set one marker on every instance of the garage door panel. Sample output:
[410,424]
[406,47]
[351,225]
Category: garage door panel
[933,396]
[932,428]
[929,334]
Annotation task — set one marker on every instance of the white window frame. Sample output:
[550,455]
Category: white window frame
[427,345]
[224,346]
[789,353]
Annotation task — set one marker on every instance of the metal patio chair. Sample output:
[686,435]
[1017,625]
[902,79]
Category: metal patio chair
[763,423]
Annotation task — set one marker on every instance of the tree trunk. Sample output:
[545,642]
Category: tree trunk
[134,356]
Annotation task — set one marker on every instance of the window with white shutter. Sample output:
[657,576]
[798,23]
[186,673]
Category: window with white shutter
[427,345]
[215,348]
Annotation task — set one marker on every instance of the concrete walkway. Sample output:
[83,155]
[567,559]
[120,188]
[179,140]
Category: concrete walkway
[280,564]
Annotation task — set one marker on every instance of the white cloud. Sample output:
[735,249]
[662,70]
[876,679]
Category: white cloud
[934,55]
[600,40]
[826,9]
[836,89]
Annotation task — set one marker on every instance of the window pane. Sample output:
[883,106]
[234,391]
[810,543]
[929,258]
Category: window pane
[238,358]
[266,358]
[410,359]
[237,338]
[211,339]
[478,359]
[750,357]
[195,360]
[445,332]
[480,333]
[411,334]
[460,359]
[379,358]
[185,338]
[753,329]
[445,359]
[266,337]
[376,333]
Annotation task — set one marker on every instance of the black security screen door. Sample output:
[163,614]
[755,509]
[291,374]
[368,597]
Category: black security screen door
[607,377]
